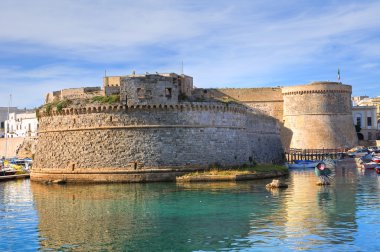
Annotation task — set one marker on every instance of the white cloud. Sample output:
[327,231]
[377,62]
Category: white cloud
[222,43]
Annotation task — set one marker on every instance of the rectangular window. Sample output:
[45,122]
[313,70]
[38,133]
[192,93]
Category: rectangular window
[140,93]
[168,93]
[369,121]
[148,94]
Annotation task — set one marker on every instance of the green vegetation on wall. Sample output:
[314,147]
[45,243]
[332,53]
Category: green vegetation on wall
[59,105]
[106,99]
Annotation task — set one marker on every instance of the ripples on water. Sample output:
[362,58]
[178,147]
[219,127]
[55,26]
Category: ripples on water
[194,217]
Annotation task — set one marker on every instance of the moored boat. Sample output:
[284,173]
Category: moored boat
[369,165]
[376,159]
[304,164]
[7,171]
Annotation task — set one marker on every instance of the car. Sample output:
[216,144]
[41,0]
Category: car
[358,152]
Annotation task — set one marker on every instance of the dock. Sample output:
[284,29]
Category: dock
[10,177]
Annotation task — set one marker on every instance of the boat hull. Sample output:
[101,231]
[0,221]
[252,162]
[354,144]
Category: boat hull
[303,165]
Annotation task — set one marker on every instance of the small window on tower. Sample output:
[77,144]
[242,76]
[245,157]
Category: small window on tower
[140,93]
[168,93]
[148,94]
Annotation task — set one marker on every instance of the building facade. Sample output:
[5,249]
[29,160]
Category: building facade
[21,125]
[374,102]
[365,120]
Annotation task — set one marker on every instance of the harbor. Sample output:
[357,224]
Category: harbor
[189,126]
[195,216]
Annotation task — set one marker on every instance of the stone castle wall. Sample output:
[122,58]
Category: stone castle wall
[319,116]
[268,100]
[149,89]
[73,93]
[143,138]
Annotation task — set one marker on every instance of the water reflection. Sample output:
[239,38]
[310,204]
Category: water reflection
[208,216]
[18,219]
[136,216]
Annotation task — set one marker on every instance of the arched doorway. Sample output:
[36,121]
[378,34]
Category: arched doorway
[360,136]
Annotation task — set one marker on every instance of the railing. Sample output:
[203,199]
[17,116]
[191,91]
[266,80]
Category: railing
[314,154]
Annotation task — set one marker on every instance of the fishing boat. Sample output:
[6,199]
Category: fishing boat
[376,159]
[6,171]
[369,165]
[300,164]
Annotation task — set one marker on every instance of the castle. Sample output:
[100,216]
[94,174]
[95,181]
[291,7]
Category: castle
[163,126]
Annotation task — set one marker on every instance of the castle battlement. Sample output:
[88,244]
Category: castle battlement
[195,106]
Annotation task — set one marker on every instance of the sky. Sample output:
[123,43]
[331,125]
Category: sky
[48,45]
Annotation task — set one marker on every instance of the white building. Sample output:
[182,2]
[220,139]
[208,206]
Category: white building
[21,125]
[365,117]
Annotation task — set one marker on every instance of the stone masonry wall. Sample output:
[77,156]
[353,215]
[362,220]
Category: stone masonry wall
[117,138]
[319,116]
[267,100]
[148,89]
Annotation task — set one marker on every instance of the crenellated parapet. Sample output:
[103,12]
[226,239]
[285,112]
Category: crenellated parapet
[196,106]
[321,91]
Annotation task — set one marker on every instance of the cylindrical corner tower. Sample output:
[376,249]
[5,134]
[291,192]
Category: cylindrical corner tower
[318,115]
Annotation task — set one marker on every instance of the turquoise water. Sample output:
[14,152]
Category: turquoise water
[194,217]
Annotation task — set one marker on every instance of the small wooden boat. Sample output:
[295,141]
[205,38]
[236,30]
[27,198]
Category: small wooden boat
[301,165]
[367,158]
[370,165]
[303,161]
[376,159]
[7,171]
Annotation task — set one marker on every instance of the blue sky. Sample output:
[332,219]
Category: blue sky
[48,45]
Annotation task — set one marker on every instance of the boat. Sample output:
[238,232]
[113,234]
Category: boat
[357,152]
[298,161]
[369,165]
[6,171]
[367,158]
[304,164]
[376,159]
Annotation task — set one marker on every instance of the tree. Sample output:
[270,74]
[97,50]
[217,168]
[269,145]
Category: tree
[357,127]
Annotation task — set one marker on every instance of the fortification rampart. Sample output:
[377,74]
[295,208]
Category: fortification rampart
[267,100]
[319,116]
[86,143]
[73,93]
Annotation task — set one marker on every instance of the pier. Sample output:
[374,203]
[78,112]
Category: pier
[314,154]
[10,177]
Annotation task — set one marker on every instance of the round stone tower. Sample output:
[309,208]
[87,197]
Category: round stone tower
[318,115]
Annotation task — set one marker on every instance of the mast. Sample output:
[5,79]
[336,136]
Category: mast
[6,137]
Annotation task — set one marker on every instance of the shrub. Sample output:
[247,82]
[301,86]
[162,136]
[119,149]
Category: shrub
[106,99]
